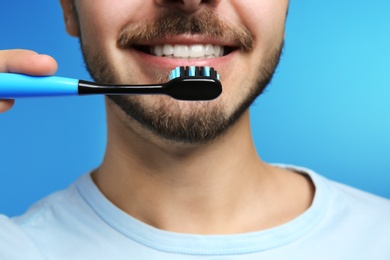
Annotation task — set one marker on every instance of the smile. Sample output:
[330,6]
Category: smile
[181,51]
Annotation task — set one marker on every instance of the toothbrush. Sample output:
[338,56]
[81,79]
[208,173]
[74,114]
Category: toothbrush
[186,83]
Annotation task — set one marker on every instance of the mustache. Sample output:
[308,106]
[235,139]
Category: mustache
[171,23]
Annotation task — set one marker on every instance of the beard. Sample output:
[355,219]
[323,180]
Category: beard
[173,120]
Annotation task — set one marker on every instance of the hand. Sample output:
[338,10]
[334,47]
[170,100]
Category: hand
[24,62]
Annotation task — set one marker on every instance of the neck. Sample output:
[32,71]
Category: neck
[221,187]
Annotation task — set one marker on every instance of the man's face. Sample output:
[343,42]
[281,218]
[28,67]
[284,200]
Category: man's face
[140,41]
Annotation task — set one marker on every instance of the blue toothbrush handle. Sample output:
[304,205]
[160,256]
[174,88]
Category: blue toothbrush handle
[18,85]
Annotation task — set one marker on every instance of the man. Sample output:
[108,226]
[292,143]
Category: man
[182,180]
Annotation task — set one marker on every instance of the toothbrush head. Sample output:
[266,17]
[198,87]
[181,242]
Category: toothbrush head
[194,83]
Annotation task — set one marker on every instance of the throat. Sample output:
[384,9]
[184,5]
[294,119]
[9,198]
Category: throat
[219,188]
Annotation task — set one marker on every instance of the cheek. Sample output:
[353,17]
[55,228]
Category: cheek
[101,22]
[266,20]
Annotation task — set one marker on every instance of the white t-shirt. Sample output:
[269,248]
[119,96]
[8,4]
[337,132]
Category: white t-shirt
[80,223]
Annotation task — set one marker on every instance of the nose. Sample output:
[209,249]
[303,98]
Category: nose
[188,6]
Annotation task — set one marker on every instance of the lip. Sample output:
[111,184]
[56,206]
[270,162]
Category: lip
[171,63]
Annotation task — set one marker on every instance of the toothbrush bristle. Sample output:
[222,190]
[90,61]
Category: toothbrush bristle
[194,71]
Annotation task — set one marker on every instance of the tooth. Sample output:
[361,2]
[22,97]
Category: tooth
[180,51]
[221,52]
[177,51]
[209,49]
[217,50]
[158,50]
[168,49]
[197,51]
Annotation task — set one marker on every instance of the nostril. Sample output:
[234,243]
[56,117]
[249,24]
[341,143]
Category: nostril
[188,6]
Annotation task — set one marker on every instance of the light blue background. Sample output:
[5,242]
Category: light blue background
[327,107]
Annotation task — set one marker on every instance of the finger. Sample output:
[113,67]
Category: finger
[6,105]
[27,62]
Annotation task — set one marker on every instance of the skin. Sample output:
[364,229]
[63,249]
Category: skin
[218,187]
